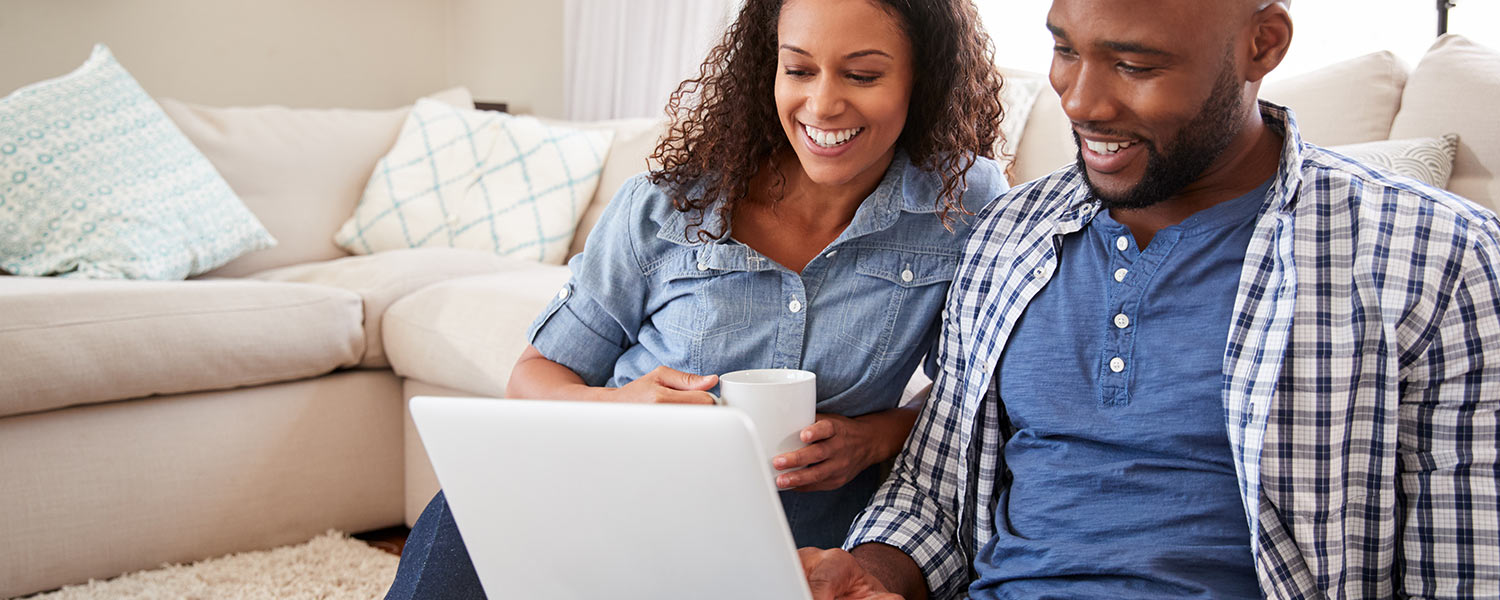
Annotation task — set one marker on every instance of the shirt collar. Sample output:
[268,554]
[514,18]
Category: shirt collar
[1079,207]
[900,190]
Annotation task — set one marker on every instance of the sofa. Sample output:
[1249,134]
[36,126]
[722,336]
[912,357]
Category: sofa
[264,402]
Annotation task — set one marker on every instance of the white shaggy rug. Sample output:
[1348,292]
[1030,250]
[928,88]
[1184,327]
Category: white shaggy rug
[330,567]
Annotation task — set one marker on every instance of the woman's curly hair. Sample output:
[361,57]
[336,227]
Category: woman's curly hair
[724,124]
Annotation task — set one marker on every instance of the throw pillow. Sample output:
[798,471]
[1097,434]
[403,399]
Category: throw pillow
[301,171]
[95,181]
[1428,160]
[1451,91]
[479,180]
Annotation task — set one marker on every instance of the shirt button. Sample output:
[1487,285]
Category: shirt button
[453,221]
[1122,243]
[562,294]
[906,276]
[795,306]
[702,266]
[1039,272]
[1120,274]
[1122,321]
[1116,364]
[831,253]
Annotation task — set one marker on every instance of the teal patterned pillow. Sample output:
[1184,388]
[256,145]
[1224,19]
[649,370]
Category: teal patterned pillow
[95,181]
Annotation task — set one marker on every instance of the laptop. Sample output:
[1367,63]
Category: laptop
[589,500]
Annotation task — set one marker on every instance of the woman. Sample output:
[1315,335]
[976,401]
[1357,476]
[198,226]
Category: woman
[806,215]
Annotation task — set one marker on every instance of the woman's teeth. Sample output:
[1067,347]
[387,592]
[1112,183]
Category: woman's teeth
[831,138]
[1107,147]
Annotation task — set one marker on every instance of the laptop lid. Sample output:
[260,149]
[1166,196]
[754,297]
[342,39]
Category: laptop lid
[589,500]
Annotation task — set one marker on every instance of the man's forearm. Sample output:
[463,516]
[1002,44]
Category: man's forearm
[895,570]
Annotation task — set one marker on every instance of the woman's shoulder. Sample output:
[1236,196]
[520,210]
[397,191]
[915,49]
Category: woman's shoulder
[983,182]
[644,211]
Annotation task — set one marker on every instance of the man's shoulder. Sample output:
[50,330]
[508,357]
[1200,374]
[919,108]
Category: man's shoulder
[1385,200]
[1035,201]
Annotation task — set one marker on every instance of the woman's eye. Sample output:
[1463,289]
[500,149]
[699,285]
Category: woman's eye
[857,78]
[797,73]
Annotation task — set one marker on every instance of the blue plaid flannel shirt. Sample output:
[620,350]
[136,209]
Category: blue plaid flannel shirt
[1361,385]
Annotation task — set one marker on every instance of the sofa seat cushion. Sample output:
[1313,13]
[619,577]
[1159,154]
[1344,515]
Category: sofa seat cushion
[383,278]
[467,333]
[71,342]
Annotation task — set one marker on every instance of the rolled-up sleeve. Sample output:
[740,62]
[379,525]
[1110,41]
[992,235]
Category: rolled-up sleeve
[598,314]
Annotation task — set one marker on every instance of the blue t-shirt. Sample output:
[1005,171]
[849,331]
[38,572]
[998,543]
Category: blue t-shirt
[647,292]
[1122,482]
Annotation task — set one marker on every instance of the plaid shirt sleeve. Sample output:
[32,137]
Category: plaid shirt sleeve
[915,510]
[1449,437]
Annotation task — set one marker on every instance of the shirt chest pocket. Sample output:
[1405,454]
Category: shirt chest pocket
[893,297]
[701,302]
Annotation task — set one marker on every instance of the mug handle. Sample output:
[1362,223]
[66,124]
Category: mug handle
[717,400]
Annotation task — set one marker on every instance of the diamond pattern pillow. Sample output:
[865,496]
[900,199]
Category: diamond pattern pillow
[479,180]
[95,181]
[1428,160]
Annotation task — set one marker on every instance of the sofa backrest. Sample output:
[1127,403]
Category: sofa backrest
[301,171]
[1454,90]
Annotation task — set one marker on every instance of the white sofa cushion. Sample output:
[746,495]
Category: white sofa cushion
[1428,160]
[1348,102]
[96,182]
[381,279]
[71,342]
[300,171]
[1453,90]
[481,180]
[634,142]
[467,333]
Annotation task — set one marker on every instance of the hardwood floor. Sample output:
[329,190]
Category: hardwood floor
[390,539]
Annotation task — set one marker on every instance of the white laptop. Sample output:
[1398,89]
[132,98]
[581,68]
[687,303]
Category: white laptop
[588,500]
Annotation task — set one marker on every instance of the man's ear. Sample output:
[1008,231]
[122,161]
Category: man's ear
[1271,39]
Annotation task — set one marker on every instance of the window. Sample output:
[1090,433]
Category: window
[1327,31]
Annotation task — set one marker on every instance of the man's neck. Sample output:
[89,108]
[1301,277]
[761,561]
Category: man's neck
[1249,161]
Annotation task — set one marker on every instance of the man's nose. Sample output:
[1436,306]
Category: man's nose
[1088,93]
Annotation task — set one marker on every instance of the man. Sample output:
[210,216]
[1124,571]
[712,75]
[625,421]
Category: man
[1208,361]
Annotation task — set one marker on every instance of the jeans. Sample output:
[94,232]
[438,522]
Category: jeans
[435,563]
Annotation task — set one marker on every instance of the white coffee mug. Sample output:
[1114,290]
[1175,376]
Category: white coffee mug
[780,402]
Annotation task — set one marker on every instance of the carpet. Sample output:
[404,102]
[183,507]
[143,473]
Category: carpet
[330,567]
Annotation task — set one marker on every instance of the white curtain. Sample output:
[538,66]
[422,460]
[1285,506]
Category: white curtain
[624,57]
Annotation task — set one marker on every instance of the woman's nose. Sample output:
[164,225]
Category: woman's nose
[826,98]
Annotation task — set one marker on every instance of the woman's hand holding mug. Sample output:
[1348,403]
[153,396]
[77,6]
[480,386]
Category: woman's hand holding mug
[668,386]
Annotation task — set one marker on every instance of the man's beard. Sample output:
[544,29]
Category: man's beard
[1197,145]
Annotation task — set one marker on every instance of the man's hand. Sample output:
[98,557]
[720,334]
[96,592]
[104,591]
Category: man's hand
[835,575]
[667,386]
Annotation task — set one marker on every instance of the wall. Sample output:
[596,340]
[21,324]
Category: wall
[509,50]
[303,53]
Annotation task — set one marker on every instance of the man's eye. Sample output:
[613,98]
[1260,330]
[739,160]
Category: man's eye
[1134,69]
[1063,50]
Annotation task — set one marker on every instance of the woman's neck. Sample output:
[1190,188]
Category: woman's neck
[812,206]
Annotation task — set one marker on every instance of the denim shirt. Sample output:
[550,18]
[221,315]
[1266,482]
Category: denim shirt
[648,292]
